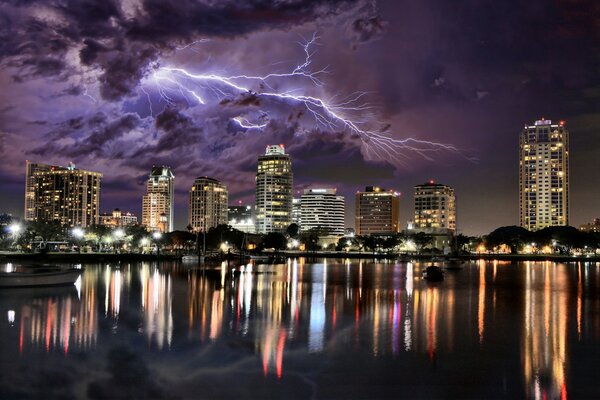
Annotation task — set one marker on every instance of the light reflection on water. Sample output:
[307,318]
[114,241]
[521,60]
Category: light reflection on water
[530,314]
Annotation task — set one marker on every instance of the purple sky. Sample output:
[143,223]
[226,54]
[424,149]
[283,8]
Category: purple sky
[88,82]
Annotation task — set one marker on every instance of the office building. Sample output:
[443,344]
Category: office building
[435,207]
[274,183]
[377,211]
[157,203]
[322,209]
[208,204]
[544,175]
[68,195]
[117,219]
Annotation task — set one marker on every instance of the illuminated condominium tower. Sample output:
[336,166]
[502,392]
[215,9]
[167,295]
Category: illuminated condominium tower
[157,204]
[435,207]
[544,175]
[377,211]
[65,194]
[274,182]
[208,204]
[323,209]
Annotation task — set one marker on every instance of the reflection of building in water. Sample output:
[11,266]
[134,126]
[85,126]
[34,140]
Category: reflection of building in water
[86,320]
[545,331]
[59,322]
[157,306]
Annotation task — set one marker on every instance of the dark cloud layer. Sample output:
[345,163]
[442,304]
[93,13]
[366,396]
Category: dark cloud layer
[78,78]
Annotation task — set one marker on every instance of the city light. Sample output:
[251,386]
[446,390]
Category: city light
[119,233]
[15,229]
[77,233]
[157,235]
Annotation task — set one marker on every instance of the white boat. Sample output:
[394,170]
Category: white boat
[192,258]
[42,276]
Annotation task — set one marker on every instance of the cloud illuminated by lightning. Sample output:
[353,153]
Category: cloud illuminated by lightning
[351,114]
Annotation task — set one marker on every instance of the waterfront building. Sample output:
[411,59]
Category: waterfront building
[274,183]
[208,204]
[322,209]
[117,218]
[297,211]
[242,218]
[68,195]
[157,203]
[544,175]
[591,227]
[377,211]
[435,207]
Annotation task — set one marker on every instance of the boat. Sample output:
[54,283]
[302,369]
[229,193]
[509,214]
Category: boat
[192,258]
[39,276]
[433,273]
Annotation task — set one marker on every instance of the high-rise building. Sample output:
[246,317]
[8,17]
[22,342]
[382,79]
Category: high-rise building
[65,194]
[435,207]
[297,211]
[322,209]
[274,183]
[544,175]
[117,218]
[377,211]
[157,204]
[208,204]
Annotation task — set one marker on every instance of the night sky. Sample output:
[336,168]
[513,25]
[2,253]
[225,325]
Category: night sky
[92,82]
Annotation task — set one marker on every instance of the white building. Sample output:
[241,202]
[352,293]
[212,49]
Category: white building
[324,209]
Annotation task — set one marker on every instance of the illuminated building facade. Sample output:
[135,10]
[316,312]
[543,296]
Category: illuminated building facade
[65,194]
[157,204]
[323,209]
[117,218]
[435,207]
[274,183]
[544,175]
[591,227]
[241,218]
[297,211]
[377,211]
[208,204]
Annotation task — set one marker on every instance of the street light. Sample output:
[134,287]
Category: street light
[78,234]
[14,229]
[118,234]
[157,235]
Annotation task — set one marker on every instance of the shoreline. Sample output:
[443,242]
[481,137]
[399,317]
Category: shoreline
[110,257]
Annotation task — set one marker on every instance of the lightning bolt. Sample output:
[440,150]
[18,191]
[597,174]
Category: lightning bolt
[350,113]
[244,123]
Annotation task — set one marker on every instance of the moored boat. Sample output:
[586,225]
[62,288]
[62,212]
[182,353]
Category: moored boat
[192,258]
[39,276]
[433,273]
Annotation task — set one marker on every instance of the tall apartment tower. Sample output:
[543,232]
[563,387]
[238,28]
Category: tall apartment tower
[322,208]
[377,211]
[435,207]
[544,175]
[157,204]
[208,204]
[65,194]
[274,183]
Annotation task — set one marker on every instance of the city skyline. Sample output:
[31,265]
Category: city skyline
[464,78]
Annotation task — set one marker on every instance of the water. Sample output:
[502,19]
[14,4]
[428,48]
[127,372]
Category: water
[306,330]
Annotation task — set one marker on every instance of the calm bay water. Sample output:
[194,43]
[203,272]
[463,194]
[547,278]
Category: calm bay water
[306,330]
